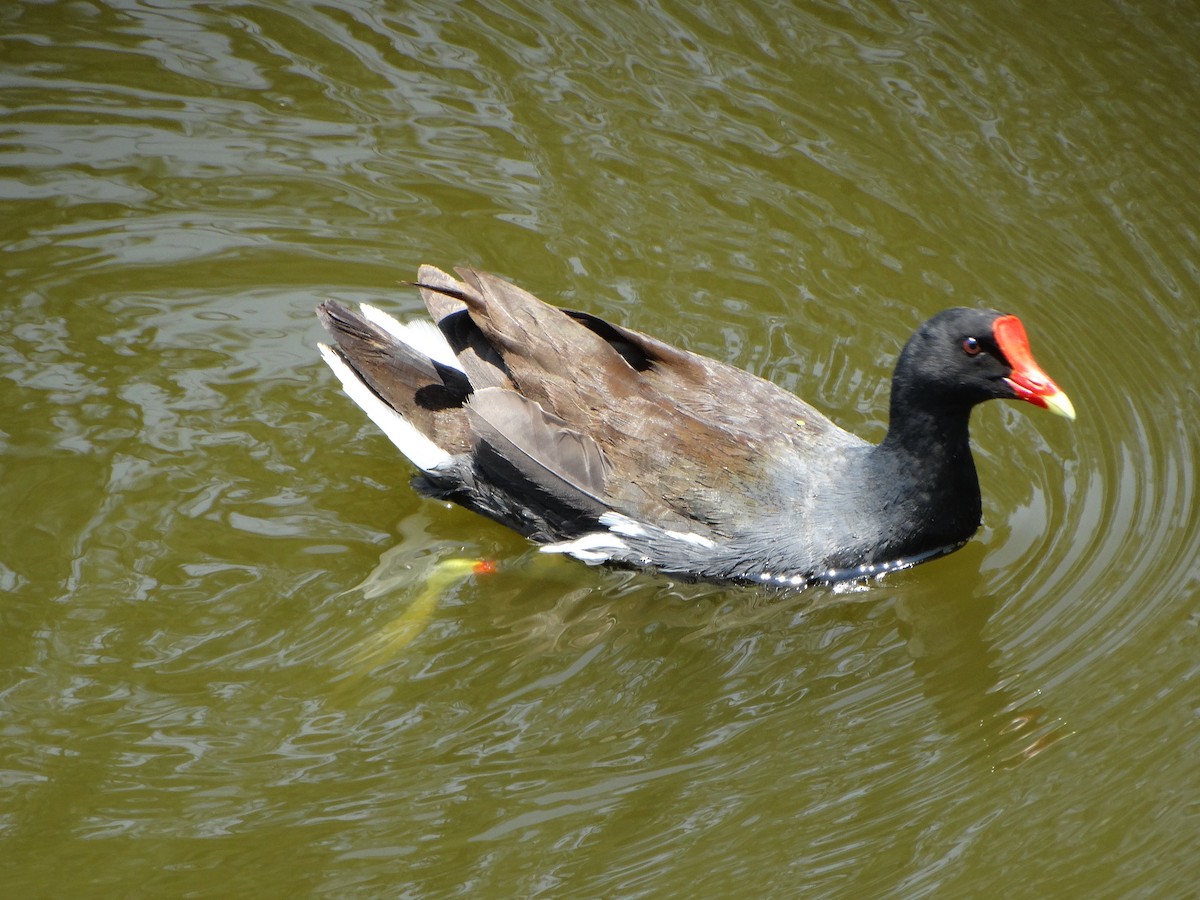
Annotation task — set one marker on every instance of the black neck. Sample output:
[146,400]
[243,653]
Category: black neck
[925,463]
[930,431]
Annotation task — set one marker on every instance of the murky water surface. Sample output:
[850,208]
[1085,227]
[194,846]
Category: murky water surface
[232,661]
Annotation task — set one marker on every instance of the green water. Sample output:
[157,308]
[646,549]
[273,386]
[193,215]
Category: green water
[203,540]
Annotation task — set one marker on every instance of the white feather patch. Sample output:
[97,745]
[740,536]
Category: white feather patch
[622,524]
[619,523]
[420,334]
[690,537]
[424,453]
[592,548]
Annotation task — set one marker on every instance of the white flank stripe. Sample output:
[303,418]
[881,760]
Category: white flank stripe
[424,453]
[622,524]
[420,334]
[592,548]
[692,538]
[619,523]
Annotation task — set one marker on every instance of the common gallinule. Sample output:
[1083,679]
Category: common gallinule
[613,447]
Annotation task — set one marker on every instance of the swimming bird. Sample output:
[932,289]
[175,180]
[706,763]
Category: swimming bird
[611,446]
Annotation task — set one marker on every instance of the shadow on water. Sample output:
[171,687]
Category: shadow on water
[553,610]
[966,677]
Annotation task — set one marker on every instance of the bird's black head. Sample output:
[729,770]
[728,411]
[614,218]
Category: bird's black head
[964,356]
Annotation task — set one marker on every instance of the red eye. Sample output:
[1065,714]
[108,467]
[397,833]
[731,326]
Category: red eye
[971,347]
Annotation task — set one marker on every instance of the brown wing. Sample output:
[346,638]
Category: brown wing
[686,440]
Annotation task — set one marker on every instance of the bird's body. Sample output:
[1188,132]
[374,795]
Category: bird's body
[615,447]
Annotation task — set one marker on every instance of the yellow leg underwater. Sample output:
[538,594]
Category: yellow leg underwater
[402,630]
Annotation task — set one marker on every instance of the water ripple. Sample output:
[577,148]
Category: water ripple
[203,536]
